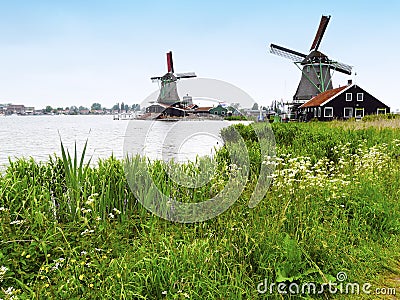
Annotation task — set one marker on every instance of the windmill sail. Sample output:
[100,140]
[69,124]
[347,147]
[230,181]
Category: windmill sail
[320,32]
[287,53]
[170,63]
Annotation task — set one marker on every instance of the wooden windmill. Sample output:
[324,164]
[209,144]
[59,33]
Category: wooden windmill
[168,91]
[315,67]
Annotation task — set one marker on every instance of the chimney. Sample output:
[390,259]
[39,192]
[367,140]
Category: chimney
[350,82]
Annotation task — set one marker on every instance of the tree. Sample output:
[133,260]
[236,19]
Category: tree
[122,106]
[136,107]
[96,106]
[126,107]
[73,110]
[255,106]
[48,109]
[82,108]
[116,107]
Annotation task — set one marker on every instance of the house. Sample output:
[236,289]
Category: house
[342,103]
[15,109]
[162,110]
[203,110]
[219,111]
[29,110]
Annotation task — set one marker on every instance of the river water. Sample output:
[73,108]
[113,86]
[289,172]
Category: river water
[39,136]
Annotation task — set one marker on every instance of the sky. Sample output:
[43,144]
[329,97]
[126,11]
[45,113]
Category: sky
[64,53]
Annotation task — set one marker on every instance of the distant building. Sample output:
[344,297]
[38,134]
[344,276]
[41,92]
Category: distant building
[219,110]
[15,109]
[29,110]
[342,103]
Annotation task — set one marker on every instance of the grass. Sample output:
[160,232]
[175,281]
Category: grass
[72,231]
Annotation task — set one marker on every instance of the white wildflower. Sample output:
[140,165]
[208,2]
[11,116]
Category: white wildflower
[17,222]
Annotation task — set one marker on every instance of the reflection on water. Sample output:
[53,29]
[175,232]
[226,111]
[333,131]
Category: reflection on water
[39,137]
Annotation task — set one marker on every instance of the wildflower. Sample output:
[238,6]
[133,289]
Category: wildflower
[111,215]
[91,199]
[87,231]
[3,271]
[164,292]
[17,222]
[9,291]
[98,218]
[83,252]
[117,211]
[81,277]
[85,211]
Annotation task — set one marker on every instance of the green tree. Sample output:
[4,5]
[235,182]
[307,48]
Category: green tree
[48,109]
[136,107]
[96,106]
[255,106]
[116,107]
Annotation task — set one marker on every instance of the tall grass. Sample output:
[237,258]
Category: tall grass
[69,230]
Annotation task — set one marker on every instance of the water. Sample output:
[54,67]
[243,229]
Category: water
[39,136]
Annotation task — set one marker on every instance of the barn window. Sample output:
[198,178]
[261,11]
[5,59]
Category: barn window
[359,112]
[381,111]
[349,96]
[328,112]
[360,96]
[319,112]
[348,112]
[315,112]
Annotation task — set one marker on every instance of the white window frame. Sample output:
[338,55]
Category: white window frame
[315,112]
[381,109]
[362,97]
[319,112]
[359,109]
[349,115]
[325,114]
[349,97]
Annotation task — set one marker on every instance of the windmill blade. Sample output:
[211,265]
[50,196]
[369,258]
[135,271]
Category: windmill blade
[320,32]
[343,68]
[156,78]
[170,62]
[287,53]
[185,75]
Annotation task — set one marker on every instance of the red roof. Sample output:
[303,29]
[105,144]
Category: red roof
[321,98]
[203,108]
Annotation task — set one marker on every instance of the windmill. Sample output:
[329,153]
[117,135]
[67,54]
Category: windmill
[168,91]
[315,67]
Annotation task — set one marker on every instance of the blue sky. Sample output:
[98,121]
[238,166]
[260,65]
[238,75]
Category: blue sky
[63,53]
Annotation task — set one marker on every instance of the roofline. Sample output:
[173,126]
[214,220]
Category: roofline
[330,99]
[337,94]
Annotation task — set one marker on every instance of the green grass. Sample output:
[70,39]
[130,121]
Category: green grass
[69,231]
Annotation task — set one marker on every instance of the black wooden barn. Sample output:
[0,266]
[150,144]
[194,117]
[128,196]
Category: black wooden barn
[342,103]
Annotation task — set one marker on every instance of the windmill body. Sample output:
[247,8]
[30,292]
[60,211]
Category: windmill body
[316,68]
[168,90]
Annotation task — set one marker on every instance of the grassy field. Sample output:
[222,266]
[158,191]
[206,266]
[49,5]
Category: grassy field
[70,231]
